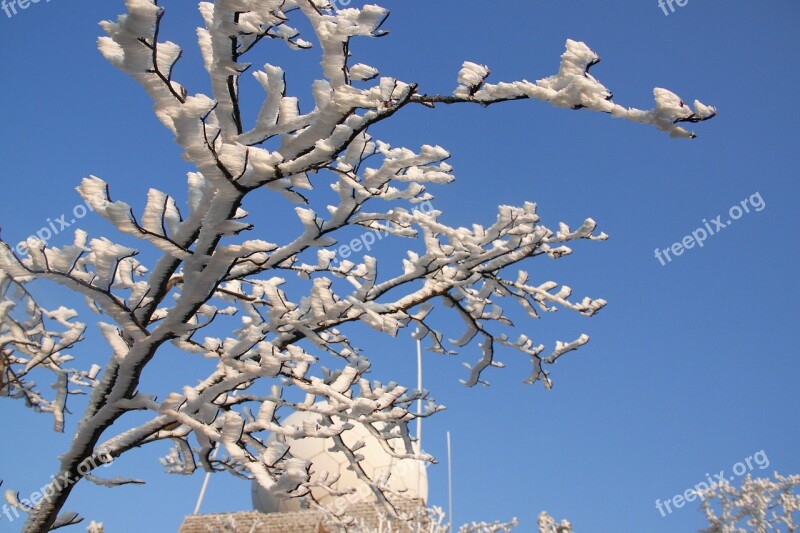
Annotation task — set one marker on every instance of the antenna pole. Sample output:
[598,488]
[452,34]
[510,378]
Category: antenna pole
[202,493]
[419,387]
[449,483]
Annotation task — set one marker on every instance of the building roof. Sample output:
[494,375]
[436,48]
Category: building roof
[368,517]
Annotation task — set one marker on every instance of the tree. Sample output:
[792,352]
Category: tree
[761,504]
[208,270]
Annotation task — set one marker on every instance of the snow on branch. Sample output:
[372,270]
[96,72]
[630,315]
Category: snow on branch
[547,524]
[760,504]
[27,346]
[573,87]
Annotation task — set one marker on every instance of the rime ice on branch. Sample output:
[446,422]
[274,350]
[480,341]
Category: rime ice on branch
[761,504]
[573,87]
[210,266]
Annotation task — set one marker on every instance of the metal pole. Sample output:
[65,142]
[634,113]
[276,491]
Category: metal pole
[419,387]
[450,483]
[202,493]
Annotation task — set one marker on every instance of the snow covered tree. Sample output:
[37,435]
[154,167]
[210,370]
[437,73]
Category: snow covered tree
[211,268]
[548,525]
[760,504]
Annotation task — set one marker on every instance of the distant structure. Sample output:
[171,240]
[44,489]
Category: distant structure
[407,478]
[367,516]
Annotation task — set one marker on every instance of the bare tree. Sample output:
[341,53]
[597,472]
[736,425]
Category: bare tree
[208,269]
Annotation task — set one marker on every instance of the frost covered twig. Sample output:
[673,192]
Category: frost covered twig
[28,346]
[547,524]
[760,505]
[573,87]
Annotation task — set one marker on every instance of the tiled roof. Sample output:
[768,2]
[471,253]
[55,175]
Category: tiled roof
[311,521]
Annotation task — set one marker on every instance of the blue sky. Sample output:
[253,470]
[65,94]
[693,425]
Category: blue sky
[693,365]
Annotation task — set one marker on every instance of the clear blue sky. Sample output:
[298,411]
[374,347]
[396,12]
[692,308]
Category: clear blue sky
[692,367]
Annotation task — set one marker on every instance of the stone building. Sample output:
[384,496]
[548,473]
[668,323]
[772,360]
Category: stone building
[406,477]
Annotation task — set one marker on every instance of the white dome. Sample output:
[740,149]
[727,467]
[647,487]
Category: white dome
[407,475]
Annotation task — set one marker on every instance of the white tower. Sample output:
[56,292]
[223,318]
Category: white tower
[408,476]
